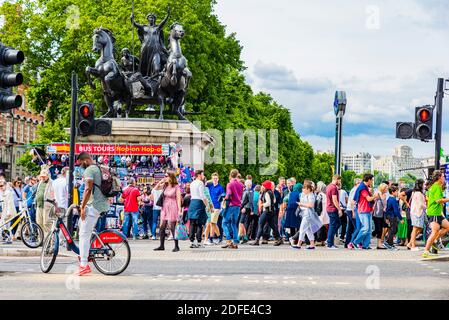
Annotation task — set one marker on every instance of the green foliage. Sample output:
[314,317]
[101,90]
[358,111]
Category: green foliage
[56,36]
[347,178]
[409,180]
[322,167]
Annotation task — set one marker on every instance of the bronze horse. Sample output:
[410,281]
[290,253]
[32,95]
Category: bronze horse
[168,87]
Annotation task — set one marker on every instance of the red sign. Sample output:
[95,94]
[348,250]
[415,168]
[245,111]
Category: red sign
[109,149]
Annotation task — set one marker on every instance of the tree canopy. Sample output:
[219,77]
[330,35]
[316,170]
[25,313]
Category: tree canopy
[56,37]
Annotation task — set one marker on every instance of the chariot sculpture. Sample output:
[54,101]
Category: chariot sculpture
[159,77]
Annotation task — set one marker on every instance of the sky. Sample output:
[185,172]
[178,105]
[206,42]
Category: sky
[387,56]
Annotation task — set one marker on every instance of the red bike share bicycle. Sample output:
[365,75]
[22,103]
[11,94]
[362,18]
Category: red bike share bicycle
[109,251]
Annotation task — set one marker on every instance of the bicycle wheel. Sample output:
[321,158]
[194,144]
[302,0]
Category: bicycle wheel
[115,261]
[49,252]
[32,235]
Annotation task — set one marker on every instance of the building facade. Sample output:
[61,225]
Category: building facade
[401,163]
[360,163]
[17,129]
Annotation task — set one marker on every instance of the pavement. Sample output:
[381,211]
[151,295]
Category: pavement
[253,273]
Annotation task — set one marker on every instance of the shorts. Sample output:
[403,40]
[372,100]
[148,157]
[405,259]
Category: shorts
[244,217]
[418,222]
[214,216]
[437,219]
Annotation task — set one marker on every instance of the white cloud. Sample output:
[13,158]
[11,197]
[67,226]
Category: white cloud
[308,49]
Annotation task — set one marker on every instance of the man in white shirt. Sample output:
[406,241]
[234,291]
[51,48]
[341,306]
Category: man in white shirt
[197,209]
[343,219]
[351,214]
[62,192]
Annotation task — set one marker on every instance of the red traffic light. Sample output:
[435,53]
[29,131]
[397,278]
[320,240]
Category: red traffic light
[424,115]
[86,111]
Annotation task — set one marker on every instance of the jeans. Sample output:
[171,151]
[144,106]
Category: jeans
[155,218]
[147,219]
[230,223]
[268,219]
[393,230]
[196,229]
[334,224]
[85,233]
[32,212]
[364,236]
[135,217]
[358,225]
[350,227]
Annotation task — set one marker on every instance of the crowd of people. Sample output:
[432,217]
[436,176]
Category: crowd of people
[234,211]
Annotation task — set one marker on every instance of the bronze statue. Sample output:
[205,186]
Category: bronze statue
[107,69]
[129,62]
[162,80]
[153,54]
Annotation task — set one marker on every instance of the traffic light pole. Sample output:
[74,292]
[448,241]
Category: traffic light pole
[73,134]
[439,121]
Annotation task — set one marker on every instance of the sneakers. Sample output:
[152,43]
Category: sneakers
[359,247]
[427,254]
[415,249]
[153,238]
[193,245]
[292,242]
[208,243]
[333,248]
[278,242]
[83,271]
[216,241]
[351,246]
[382,247]
[310,248]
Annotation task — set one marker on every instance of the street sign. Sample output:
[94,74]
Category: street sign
[340,102]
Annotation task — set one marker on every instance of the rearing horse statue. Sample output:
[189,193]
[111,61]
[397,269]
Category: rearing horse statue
[107,69]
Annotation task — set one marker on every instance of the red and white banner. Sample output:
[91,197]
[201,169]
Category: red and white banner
[110,149]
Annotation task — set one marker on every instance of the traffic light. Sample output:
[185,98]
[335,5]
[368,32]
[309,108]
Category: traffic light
[88,125]
[86,119]
[8,79]
[405,130]
[424,123]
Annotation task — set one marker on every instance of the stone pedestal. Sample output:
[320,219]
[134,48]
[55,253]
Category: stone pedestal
[157,132]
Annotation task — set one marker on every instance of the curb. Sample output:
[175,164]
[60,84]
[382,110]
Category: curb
[10,252]
[444,258]
[20,252]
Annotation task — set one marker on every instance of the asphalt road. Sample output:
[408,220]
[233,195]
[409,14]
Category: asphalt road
[248,273]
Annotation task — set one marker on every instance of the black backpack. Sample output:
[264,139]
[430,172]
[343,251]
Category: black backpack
[110,184]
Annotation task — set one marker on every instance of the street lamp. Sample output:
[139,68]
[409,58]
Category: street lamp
[339,110]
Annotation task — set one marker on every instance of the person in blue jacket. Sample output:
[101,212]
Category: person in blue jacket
[392,216]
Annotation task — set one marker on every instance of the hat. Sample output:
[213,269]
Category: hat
[267,185]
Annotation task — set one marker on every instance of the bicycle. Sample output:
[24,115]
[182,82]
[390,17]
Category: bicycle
[31,233]
[107,248]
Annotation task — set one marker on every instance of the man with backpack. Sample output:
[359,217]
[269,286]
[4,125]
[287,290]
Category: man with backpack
[94,203]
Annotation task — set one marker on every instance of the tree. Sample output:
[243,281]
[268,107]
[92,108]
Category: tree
[56,37]
[322,167]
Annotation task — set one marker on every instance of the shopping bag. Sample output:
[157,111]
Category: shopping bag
[181,232]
